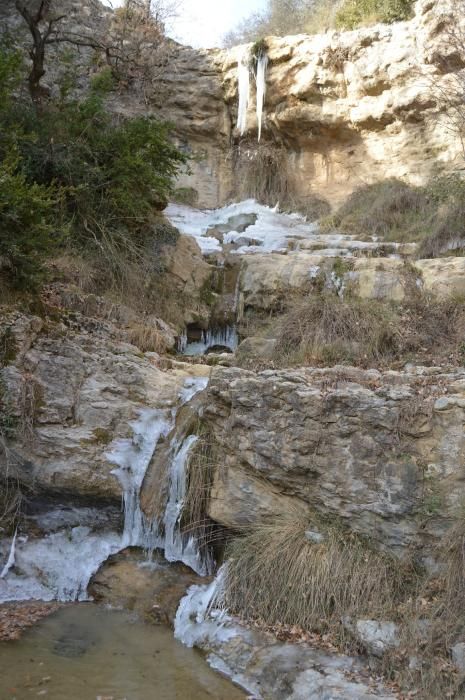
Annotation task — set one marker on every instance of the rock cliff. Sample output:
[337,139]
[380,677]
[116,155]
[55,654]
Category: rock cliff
[349,108]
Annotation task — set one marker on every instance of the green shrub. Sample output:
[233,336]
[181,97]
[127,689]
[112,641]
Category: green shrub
[73,167]
[115,174]
[27,232]
[354,13]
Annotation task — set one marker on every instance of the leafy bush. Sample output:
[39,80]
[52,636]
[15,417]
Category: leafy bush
[115,174]
[27,232]
[354,13]
[73,168]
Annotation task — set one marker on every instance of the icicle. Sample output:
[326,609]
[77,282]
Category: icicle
[225,337]
[201,615]
[182,342]
[243,81]
[132,457]
[262,64]
[179,547]
[11,557]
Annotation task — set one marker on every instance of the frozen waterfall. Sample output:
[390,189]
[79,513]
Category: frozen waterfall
[60,565]
[133,456]
[224,337]
[179,546]
[243,80]
[262,65]
[243,88]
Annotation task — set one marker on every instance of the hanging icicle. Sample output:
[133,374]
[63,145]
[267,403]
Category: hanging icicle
[262,64]
[253,62]
[11,557]
[243,80]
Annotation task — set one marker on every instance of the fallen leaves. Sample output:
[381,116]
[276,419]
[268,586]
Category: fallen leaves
[17,617]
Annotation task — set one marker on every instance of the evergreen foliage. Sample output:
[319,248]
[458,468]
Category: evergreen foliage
[354,13]
[73,173]
[284,17]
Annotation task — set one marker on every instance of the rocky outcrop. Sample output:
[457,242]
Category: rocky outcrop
[68,390]
[267,280]
[350,108]
[382,452]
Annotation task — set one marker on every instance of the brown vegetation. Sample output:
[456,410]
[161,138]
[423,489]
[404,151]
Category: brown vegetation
[395,211]
[293,571]
[326,330]
[262,173]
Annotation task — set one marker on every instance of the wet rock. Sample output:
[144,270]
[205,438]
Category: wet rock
[150,588]
[70,394]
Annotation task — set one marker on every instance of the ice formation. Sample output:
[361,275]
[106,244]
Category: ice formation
[225,337]
[243,82]
[60,565]
[132,457]
[201,618]
[273,231]
[262,65]
[10,562]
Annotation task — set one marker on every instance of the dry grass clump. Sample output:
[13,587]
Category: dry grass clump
[448,234]
[146,338]
[326,330]
[263,174]
[277,573]
[203,460]
[433,215]
[11,504]
[433,621]
[390,209]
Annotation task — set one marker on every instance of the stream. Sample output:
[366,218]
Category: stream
[85,652]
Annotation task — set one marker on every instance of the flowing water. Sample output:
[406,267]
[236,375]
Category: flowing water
[84,652]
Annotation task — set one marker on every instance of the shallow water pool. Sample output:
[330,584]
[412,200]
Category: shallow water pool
[85,652]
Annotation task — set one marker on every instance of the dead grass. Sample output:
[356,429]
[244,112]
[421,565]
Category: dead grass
[325,330]
[203,461]
[146,338]
[448,234]
[263,174]
[433,621]
[278,574]
[433,215]
[391,210]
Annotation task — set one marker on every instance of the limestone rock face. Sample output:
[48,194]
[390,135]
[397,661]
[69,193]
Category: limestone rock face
[443,277]
[384,452]
[267,279]
[68,393]
[350,107]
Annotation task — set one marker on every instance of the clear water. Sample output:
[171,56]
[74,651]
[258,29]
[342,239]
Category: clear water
[84,652]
